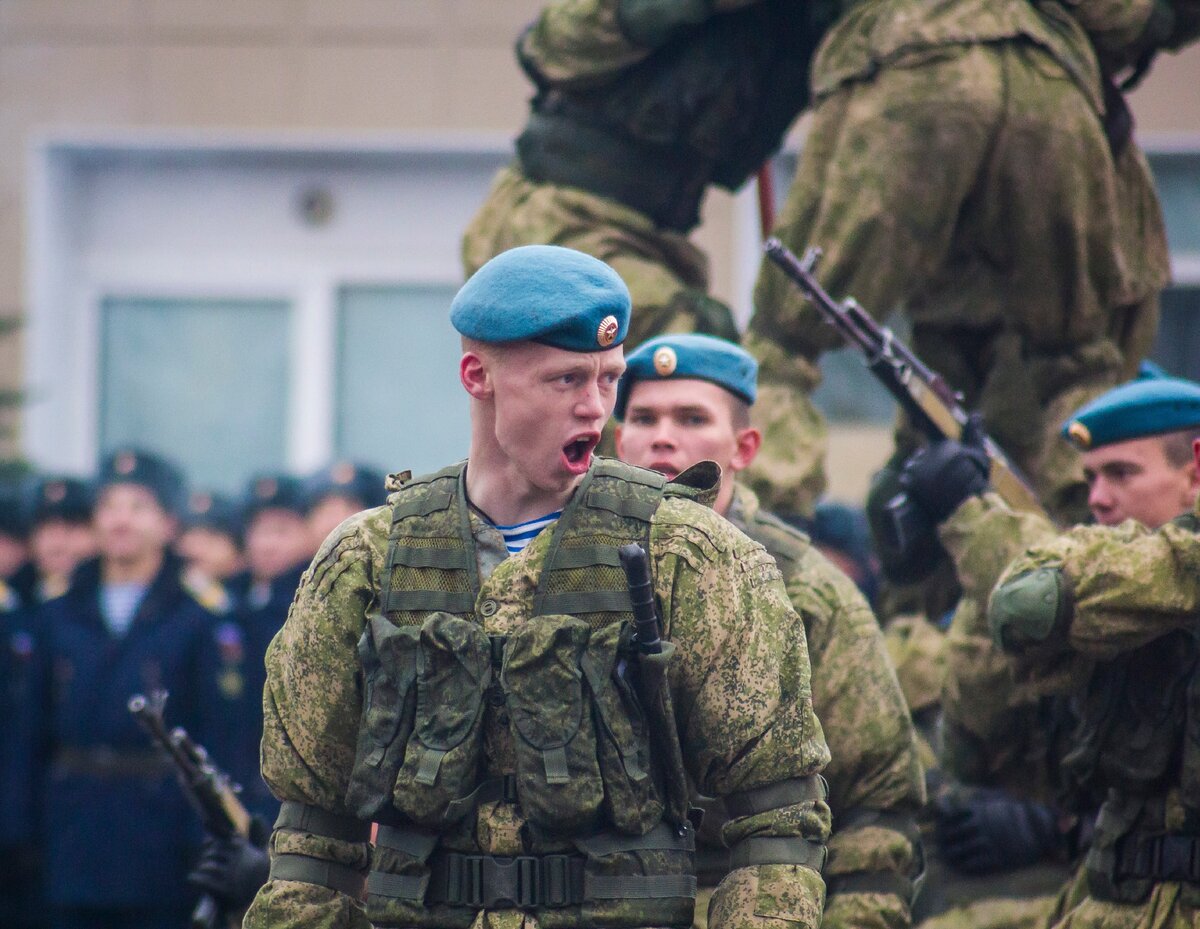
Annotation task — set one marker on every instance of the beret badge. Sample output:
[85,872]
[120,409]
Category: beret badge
[606,333]
[665,361]
[1080,434]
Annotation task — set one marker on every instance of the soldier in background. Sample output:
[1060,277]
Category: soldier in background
[336,493]
[971,163]
[1004,730]
[15,570]
[22,900]
[61,536]
[119,834]
[687,398]
[1106,616]
[278,549]
[213,538]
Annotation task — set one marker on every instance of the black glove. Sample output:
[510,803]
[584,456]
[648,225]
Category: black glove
[939,477]
[232,870]
[905,540]
[985,831]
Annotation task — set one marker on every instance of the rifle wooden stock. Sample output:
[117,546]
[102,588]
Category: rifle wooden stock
[929,401]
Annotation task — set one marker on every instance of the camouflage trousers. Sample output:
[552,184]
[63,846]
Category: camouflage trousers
[974,188]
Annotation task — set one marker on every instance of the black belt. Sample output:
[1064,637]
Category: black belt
[1159,858]
[492,882]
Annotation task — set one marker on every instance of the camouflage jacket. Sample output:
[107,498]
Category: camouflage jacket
[872,34]
[992,729]
[1127,585]
[876,784]
[741,688]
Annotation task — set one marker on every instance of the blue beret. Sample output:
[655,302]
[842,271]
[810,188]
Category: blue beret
[692,356]
[346,479]
[1140,408]
[544,293]
[146,469]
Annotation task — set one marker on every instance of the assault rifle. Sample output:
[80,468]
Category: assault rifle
[208,789]
[934,408]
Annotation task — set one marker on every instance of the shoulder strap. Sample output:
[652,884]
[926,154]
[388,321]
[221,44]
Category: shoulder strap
[431,556]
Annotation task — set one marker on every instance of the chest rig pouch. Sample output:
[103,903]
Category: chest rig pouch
[1138,738]
[583,711]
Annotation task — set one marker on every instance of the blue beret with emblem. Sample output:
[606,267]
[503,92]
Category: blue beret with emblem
[146,469]
[704,357]
[357,482]
[544,293]
[1140,408]
[273,492]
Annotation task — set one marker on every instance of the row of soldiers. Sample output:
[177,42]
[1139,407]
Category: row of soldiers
[130,585]
[682,399]
[1053,691]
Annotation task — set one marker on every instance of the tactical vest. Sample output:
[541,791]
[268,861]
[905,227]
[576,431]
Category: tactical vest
[707,107]
[1137,740]
[597,770]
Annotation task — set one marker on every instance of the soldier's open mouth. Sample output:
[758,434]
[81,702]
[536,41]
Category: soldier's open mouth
[578,452]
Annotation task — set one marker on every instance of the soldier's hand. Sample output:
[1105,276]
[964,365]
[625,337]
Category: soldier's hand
[232,870]
[985,831]
[939,477]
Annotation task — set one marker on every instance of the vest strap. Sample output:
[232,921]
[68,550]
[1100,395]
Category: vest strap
[778,850]
[409,887]
[639,886]
[661,838]
[575,602]
[308,870]
[777,795]
[448,559]
[304,817]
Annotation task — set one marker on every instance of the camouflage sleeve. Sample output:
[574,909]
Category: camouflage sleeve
[582,41]
[743,699]
[989,718]
[1125,585]
[875,776]
[311,708]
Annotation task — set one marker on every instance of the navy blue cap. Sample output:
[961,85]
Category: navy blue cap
[147,469]
[356,482]
[206,510]
[14,510]
[1140,408]
[544,293]
[70,499]
[704,357]
[273,492]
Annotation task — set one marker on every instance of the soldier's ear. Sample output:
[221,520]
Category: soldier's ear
[749,441]
[474,373]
